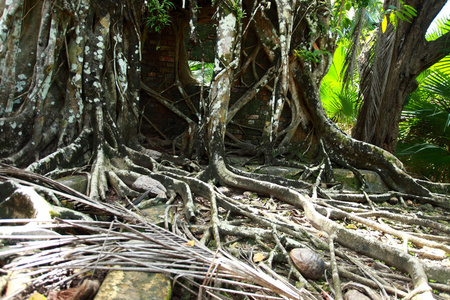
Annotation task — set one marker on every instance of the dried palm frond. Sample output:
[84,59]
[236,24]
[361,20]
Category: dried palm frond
[135,244]
[354,48]
[143,247]
[374,77]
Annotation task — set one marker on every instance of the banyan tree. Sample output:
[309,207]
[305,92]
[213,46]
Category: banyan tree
[83,85]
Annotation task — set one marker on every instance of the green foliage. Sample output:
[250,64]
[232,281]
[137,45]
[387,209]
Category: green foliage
[158,14]
[314,56]
[393,14]
[425,131]
[347,15]
[238,11]
[339,103]
[442,27]
[196,69]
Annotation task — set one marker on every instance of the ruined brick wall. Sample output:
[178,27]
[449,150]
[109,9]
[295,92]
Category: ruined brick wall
[158,71]
[158,58]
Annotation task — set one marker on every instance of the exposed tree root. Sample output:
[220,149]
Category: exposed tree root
[317,212]
[345,237]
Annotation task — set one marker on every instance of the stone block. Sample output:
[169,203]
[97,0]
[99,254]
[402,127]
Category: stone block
[126,285]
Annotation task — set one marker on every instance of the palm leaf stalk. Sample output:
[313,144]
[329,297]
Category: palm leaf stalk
[130,242]
[142,247]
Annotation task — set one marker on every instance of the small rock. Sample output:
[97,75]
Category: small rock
[393,200]
[357,291]
[409,203]
[146,183]
[355,295]
[308,262]
[127,285]
[155,214]
[76,182]
[25,203]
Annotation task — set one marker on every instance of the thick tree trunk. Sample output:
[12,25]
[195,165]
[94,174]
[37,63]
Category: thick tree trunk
[400,55]
[226,61]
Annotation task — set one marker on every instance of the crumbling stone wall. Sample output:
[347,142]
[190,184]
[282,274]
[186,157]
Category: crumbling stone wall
[158,72]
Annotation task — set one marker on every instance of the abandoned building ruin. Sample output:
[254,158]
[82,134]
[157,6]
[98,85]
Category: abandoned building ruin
[165,69]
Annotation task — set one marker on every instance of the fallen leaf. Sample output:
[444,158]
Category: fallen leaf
[191,243]
[259,257]
[37,296]
[351,226]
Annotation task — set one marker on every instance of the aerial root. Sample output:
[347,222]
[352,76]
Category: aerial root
[273,231]
[345,237]
[334,269]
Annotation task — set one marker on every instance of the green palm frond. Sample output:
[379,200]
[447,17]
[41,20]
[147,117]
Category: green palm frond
[338,102]
[441,27]
[341,107]
[438,84]
[428,160]
[444,65]
[425,133]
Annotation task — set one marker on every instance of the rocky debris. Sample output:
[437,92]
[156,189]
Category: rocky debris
[375,184]
[357,291]
[155,214]
[355,295]
[126,285]
[308,262]
[24,202]
[148,184]
[76,182]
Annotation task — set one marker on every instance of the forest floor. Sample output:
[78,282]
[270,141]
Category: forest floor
[262,232]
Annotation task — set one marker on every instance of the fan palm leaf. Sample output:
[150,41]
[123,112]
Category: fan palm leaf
[425,130]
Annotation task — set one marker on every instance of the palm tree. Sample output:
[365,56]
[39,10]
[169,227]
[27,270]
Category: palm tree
[389,69]
[424,130]
[339,88]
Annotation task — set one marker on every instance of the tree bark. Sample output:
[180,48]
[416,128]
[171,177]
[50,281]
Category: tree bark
[400,55]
